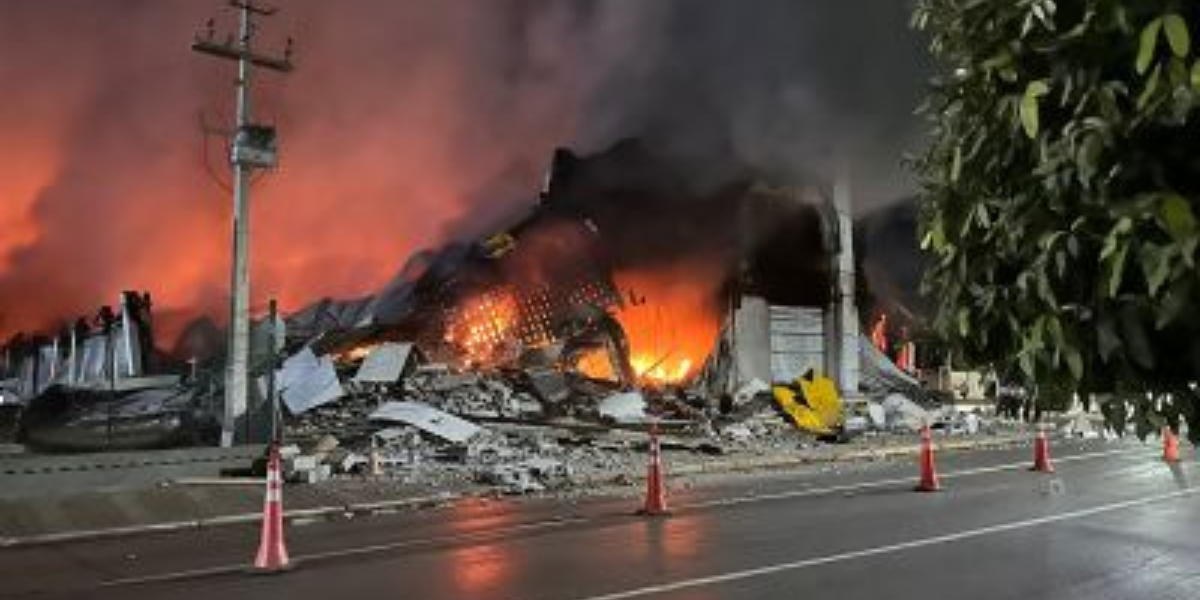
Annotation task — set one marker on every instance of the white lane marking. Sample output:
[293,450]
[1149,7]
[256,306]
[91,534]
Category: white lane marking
[697,582]
[478,536]
[475,536]
[557,523]
[866,485]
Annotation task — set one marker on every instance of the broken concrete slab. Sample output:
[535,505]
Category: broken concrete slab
[489,449]
[307,381]
[856,424]
[437,423]
[511,478]
[392,435]
[966,424]
[325,444]
[450,381]
[1081,426]
[626,407]
[877,414]
[532,475]
[386,363]
[902,412]
[353,462]
[550,385]
[737,431]
[749,391]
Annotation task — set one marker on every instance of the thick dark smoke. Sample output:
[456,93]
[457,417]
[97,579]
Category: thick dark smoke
[407,122]
[789,87]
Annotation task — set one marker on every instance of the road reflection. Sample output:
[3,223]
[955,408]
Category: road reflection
[480,568]
[669,540]
[477,515]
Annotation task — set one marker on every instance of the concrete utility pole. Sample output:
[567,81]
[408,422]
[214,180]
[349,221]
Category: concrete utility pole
[253,147]
[843,343]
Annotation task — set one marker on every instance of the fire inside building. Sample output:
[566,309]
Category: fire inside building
[624,274]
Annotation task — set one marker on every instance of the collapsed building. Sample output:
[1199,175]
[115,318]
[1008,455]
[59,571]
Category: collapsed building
[101,383]
[627,293]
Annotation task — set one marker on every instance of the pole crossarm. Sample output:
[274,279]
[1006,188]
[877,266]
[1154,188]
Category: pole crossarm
[229,52]
[258,9]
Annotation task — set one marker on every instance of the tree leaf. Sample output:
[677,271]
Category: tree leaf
[1177,216]
[1087,158]
[982,216]
[1116,269]
[1123,226]
[1028,107]
[1195,75]
[935,238]
[1029,115]
[1037,335]
[1106,337]
[1025,359]
[1074,362]
[1187,250]
[1146,43]
[1156,265]
[1177,298]
[956,165]
[1054,326]
[1177,34]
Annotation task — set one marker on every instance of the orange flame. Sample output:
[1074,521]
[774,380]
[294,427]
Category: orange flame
[670,321]
[596,364]
[484,326]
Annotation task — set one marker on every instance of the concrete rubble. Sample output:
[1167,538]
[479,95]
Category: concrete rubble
[625,407]
[532,426]
[1081,426]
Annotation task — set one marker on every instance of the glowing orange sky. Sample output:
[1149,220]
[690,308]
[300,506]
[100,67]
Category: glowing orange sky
[104,184]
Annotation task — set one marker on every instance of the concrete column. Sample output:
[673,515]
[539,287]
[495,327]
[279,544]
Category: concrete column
[842,332]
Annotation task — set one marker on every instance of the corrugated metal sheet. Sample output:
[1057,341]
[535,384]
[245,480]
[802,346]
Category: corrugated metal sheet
[797,341]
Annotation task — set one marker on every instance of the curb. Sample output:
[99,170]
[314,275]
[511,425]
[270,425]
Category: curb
[366,508]
[774,462]
[226,520]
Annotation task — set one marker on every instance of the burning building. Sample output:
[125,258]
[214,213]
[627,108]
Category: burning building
[623,270]
[625,273]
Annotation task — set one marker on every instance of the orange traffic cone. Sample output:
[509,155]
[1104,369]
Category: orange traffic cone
[1170,445]
[656,493]
[1041,453]
[272,553]
[929,477]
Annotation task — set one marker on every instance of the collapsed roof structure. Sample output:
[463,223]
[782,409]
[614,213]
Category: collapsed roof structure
[624,274]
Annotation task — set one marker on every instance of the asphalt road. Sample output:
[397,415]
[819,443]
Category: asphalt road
[1112,522]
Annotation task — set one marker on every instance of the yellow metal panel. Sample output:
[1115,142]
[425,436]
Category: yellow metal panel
[818,409]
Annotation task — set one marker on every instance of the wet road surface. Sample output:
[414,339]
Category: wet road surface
[1112,522]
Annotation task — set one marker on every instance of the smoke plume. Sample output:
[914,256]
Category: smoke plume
[405,124]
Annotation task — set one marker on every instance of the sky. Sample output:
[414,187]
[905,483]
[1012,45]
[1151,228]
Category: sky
[406,124]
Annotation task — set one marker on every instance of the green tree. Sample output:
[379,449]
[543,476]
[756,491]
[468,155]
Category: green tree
[1059,196]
